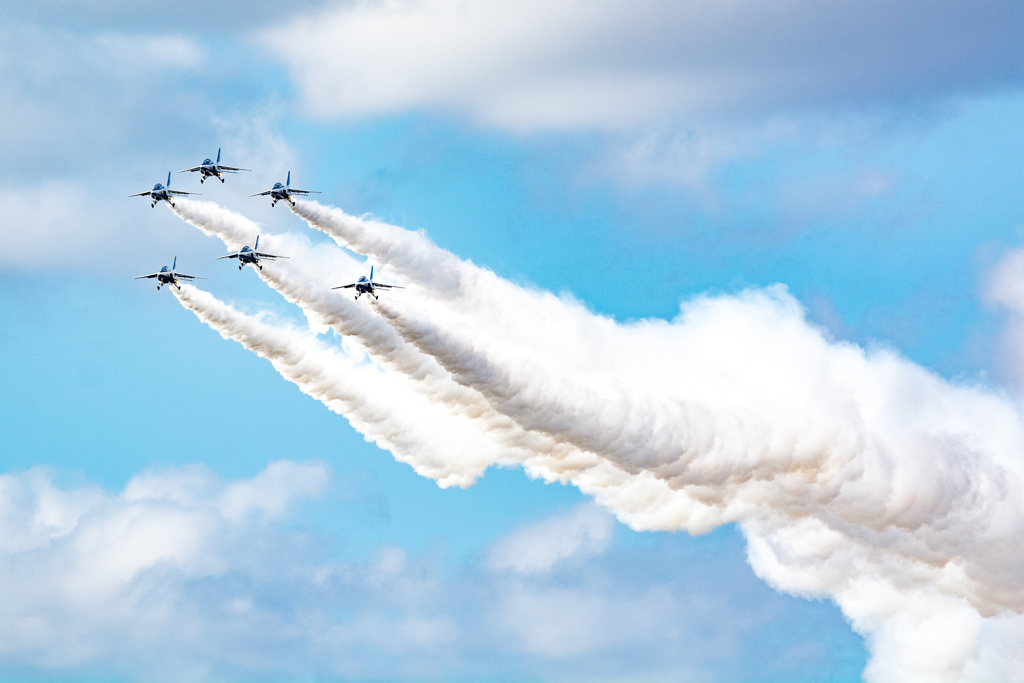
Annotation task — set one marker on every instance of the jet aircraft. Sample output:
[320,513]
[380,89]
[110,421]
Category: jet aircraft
[209,169]
[162,193]
[279,192]
[251,255]
[366,285]
[169,276]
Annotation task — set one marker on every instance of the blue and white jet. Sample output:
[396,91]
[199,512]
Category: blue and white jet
[169,276]
[210,169]
[366,285]
[279,192]
[251,255]
[162,193]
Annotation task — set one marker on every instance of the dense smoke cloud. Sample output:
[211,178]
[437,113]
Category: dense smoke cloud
[857,476]
[640,497]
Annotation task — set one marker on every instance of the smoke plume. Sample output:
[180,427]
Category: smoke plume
[855,475]
[640,497]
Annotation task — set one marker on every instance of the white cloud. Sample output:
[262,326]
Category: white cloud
[183,575]
[91,118]
[564,622]
[614,64]
[69,92]
[541,546]
[33,512]
[87,575]
[1005,291]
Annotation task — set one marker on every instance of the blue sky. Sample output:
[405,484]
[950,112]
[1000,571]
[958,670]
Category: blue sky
[866,156]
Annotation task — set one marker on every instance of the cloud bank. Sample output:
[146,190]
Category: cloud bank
[90,577]
[613,64]
[185,576]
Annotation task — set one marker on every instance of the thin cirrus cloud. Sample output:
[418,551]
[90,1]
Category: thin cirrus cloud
[613,65]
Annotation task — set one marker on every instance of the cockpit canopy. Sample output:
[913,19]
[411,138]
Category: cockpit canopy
[207,162]
[246,249]
[165,269]
[362,278]
[158,186]
[278,186]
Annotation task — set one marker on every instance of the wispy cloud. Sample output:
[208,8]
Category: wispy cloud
[539,547]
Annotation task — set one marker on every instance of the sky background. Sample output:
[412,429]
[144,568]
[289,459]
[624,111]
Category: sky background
[170,508]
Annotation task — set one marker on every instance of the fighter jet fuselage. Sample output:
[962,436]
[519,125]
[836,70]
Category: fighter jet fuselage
[251,255]
[162,193]
[212,169]
[366,285]
[168,275]
[283,191]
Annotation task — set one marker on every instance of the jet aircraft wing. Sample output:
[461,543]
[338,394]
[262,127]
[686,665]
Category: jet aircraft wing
[181,276]
[260,194]
[345,286]
[235,255]
[293,191]
[232,168]
[194,168]
[260,254]
[143,277]
[377,285]
[182,192]
[142,194]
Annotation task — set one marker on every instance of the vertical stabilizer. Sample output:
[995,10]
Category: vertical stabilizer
[168,179]
[174,265]
[288,183]
[218,155]
[257,245]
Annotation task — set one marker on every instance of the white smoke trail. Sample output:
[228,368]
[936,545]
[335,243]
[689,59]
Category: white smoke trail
[304,279]
[389,245]
[359,321]
[640,499]
[435,443]
[858,476]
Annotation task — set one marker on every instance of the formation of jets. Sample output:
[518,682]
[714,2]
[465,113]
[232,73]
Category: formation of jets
[246,255]
[215,169]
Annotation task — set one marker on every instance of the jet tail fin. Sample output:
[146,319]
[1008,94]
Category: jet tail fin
[371,273]
[288,183]
[168,179]
[218,155]
[257,245]
[175,264]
